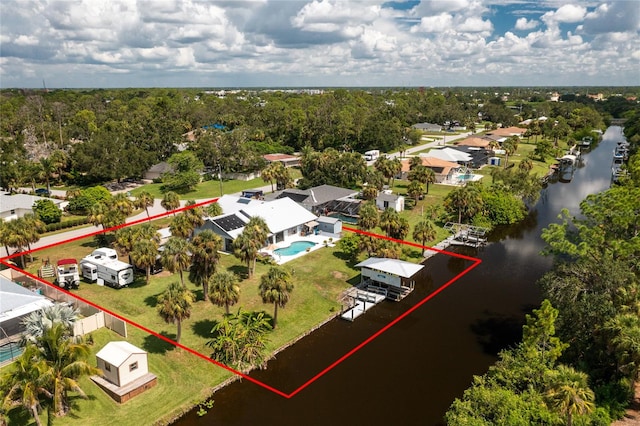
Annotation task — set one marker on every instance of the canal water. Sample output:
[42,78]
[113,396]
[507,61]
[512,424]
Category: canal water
[411,373]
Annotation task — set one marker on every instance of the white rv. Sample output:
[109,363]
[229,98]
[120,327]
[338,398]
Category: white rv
[104,267]
[372,155]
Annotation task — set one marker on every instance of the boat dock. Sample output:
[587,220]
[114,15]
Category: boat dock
[360,302]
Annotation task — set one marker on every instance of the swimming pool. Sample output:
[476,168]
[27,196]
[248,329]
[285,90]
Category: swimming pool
[294,248]
[10,351]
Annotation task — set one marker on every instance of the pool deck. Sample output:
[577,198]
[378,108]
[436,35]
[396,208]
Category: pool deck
[318,239]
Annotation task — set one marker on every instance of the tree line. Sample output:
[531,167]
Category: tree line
[85,137]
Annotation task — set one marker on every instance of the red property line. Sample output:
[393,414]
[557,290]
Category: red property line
[475,263]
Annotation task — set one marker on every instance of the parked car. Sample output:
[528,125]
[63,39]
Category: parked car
[43,192]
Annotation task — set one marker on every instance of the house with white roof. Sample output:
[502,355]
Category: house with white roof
[125,370]
[395,278]
[450,154]
[13,206]
[284,217]
[16,302]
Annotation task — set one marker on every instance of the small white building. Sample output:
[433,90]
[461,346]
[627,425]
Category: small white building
[125,370]
[394,201]
[394,277]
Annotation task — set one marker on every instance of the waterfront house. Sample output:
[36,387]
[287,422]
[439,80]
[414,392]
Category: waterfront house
[393,277]
[285,218]
[442,169]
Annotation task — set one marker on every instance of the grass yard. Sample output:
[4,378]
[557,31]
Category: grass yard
[319,278]
[183,381]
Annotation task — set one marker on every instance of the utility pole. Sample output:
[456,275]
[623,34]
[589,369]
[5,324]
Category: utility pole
[220,177]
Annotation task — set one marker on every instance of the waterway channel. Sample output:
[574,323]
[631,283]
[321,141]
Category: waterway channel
[411,373]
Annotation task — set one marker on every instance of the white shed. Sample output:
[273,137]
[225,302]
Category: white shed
[125,371]
[122,363]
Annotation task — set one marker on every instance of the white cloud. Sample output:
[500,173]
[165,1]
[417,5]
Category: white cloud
[475,24]
[323,42]
[568,13]
[524,24]
[619,16]
[434,24]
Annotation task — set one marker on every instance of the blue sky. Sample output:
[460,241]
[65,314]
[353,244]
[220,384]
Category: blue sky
[284,43]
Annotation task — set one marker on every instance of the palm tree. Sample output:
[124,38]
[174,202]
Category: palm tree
[121,203]
[430,177]
[268,174]
[206,248]
[257,231]
[37,322]
[125,238]
[401,229]
[414,162]
[175,256]
[225,290]
[97,214]
[31,227]
[24,383]
[144,200]
[467,200]
[369,192]
[569,392]
[509,146]
[275,287]
[368,216]
[395,167]
[245,249]
[64,364]
[424,232]
[47,168]
[174,305]
[526,165]
[17,236]
[144,254]
[415,190]
[194,214]
[389,220]
[180,226]
[214,210]
[170,201]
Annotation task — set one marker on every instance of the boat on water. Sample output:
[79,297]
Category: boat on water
[586,141]
[566,167]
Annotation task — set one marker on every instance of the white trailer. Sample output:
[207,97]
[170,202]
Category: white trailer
[372,155]
[104,267]
[67,275]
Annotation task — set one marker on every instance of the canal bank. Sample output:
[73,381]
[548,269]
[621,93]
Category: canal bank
[411,373]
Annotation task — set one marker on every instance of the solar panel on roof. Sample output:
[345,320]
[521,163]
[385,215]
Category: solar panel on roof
[229,223]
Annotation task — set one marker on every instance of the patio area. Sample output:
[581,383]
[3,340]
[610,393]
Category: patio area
[296,247]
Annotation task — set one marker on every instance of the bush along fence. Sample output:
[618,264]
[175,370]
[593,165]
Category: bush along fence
[66,224]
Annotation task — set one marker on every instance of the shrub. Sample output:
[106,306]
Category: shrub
[47,211]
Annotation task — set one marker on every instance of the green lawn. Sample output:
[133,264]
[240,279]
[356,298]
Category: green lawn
[319,278]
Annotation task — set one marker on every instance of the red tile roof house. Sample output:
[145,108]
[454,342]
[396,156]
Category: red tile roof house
[443,169]
[286,159]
